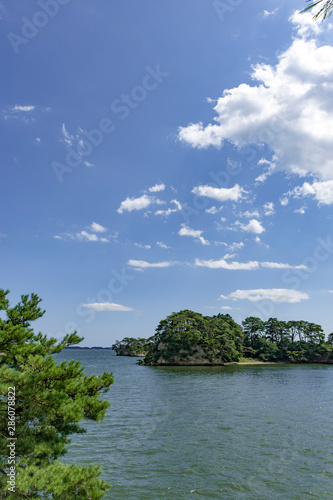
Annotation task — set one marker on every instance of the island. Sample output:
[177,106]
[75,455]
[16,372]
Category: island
[188,338]
[130,346]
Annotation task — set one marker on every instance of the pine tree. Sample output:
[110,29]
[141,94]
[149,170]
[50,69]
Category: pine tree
[50,401]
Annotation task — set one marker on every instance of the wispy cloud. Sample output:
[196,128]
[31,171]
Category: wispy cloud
[224,264]
[22,112]
[140,245]
[162,245]
[107,306]
[142,264]
[273,294]
[169,211]
[245,266]
[87,235]
[196,234]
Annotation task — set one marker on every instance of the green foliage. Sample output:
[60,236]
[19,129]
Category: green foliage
[286,341]
[325,8]
[131,346]
[179,336]
[51,400]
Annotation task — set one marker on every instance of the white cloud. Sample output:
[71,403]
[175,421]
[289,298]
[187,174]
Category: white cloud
[279,265]
[169,211]
[135,204]
[226,308]
[162,245]
[273,294]
[236,246]
[67,139]
[220,194]
[107,306]
[223,264]
[322,192]
[244,266]
[196,234]
[213,210]
[88,164]
[140,245]
[23,109]
[254,226]
[268,13]
[248,214]
[97,228]
[289,108]
[269,208]
[305,23]
[38,140]
[156,188]
[142,264]
[300,210]
[83,235]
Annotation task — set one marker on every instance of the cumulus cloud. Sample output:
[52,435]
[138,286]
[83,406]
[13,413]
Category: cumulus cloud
[196,234]
[142,264]
[220,194]
[273,294]
[107,306]
[131,204]
[243,266]
[322,192]
[156,188]
[289,108]
[254,226]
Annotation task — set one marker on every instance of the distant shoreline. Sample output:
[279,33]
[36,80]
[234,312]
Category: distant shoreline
[91,348]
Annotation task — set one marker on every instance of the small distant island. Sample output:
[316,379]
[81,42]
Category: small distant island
[188,338]
[130,346]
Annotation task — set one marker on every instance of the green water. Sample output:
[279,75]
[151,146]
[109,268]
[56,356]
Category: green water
[236,432]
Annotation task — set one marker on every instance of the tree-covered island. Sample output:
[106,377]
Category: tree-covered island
[189,338]
[131,346]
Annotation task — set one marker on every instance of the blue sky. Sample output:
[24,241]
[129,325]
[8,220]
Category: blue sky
[158,156]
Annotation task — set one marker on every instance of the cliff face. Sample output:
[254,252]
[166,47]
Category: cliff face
[129,352]
[196,357]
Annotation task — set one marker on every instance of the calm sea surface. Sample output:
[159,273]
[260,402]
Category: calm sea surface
[252,432]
